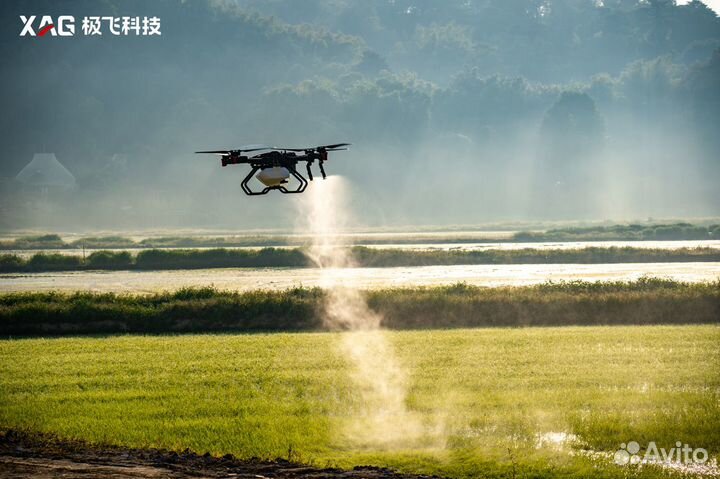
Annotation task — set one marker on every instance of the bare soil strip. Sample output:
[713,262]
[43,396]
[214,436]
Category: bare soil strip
[25,455]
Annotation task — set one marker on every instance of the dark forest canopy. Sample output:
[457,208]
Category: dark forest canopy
[535,109]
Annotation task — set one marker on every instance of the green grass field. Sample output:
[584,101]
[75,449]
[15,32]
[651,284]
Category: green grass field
[485,397]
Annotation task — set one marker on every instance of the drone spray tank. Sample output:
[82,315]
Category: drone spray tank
[273,176]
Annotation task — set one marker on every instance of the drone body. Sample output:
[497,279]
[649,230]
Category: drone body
[276,165]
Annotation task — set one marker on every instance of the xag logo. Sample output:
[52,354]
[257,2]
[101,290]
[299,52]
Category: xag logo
[65,26]
[123,26]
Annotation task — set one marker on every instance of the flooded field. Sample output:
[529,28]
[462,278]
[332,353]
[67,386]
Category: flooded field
[366,278]
[668,245]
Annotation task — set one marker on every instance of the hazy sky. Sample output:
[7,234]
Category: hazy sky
[456,114]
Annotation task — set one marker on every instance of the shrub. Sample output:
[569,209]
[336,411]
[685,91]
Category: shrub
[109,260]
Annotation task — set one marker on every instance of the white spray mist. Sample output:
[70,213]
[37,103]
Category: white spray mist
[383,419]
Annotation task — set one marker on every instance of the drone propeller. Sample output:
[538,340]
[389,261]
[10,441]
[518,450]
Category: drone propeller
[335,147]
[242,149]
[215,152]
[255,147]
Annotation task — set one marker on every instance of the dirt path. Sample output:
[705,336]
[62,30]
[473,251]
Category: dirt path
[23,455]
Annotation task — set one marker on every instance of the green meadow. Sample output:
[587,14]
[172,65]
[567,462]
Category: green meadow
[501,402]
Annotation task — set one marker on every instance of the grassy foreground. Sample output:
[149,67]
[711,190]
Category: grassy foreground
[488,396]
[645,301]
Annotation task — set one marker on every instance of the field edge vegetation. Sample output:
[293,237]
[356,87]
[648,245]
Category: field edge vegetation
[172,259]
[678,231]
[645,301]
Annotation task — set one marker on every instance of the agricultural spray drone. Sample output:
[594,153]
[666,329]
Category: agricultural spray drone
[277,164]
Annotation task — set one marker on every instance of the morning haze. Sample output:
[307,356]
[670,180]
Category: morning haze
[460,112]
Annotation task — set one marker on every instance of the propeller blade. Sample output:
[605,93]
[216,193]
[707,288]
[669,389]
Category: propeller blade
[256,147]
[335,149]
[242,149]
[336,145]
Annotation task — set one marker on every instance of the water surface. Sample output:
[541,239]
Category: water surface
[242,279]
